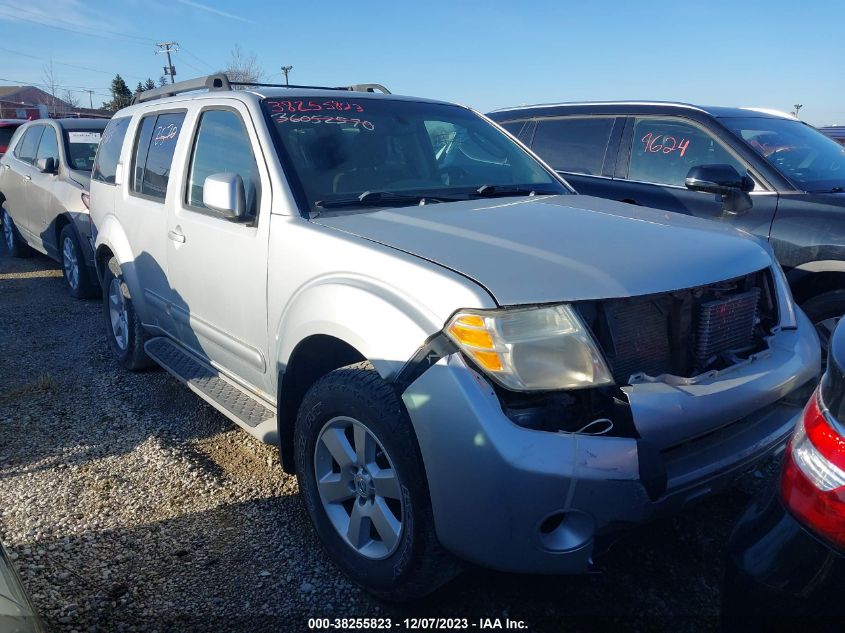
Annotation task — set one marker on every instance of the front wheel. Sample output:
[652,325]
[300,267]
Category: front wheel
[75,272]
[15,245]
[363,482]
[125,333]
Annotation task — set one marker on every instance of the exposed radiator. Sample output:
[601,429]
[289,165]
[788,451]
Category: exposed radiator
[725,324]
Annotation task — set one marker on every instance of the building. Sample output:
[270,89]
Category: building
[29,102]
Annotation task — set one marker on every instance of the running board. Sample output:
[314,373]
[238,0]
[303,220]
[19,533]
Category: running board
[232,400]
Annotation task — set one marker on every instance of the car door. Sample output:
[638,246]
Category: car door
[218,267]
[580,148]
[655,156]
[17,179]
[142,212]
[42,190]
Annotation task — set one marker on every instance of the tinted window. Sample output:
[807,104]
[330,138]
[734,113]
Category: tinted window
[49,145]
[81,148]
[802,153]
[154,153]
[573,144]
[222,146]
[339,149]
[26,147]
[108,153]
[6,134]
[664,150]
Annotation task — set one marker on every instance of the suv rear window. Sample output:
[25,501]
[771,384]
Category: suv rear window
[573,144]
[81,148]
[108,154]
[154,149]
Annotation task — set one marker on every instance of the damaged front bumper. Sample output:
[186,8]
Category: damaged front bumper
[522,500]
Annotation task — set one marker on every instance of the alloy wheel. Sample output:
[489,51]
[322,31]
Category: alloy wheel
[359,488]
[118,314]
[8,232]
[70,261]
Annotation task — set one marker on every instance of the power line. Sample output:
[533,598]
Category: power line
[201,61]
[18,82]
[97,33]
[93,70]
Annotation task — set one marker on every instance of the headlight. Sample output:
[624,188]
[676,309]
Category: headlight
[531,349]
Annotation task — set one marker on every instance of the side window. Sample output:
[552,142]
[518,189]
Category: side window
[49,145]
[154,149]
[665,149]
[574,144]
[108,153]
[28,145]
[222,146]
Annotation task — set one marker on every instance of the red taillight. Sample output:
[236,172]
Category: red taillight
[813,478]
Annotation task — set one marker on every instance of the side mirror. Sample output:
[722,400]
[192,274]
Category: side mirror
[46,165]
[724,181]
[719,179]
[224,193]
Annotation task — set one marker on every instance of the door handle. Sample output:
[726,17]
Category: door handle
[27,177]
[176,236]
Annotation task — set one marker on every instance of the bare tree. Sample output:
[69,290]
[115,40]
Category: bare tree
[243,67]
[71,99]
[51,83]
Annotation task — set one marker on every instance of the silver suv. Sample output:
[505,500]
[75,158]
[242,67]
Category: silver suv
[459,357]
[43,192]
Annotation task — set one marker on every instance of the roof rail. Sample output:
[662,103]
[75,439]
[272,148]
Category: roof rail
[212,82]
[221,82]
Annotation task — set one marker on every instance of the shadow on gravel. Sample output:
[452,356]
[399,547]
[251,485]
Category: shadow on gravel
[256,566]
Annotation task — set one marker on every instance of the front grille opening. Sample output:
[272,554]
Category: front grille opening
[687,332]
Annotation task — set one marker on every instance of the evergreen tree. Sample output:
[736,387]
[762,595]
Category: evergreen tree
[139,88]
[149,84]
[121,95]
[162,81]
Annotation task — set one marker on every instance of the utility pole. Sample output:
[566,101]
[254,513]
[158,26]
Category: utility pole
[286,70]
[167,48]
[90,98]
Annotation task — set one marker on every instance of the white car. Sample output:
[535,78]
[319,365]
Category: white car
[43,192]
[458,356]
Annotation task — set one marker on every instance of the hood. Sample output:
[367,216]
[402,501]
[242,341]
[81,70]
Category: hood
[562,248]
[81,178]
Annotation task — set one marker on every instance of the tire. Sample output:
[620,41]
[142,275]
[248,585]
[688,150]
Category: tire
[129,347]
[825,311]
[416,564]
[12,239]
[77,275]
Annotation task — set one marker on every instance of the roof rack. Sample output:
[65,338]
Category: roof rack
[220,81]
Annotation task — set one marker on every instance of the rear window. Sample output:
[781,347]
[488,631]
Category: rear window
[573,144]
[108,153]
[82,148]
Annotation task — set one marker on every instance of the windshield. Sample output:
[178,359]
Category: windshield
[377,152]
[82,148]
[801,153]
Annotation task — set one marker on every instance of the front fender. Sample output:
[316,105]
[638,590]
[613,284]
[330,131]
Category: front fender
[383,323]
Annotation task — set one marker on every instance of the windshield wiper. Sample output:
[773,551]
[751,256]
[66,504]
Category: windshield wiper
[492,191]
[381,198]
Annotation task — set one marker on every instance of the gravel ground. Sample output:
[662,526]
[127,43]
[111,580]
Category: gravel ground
[130,505]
